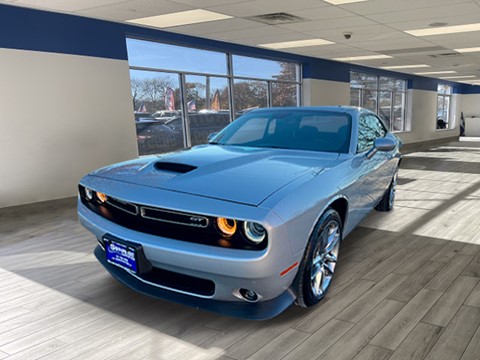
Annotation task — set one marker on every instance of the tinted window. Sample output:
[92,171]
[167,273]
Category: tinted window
[369,129]
[290,129]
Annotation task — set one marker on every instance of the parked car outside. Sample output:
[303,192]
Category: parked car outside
[165,115]
[143,117]
[251,222]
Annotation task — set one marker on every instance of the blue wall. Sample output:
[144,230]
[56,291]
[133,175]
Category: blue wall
[28,29]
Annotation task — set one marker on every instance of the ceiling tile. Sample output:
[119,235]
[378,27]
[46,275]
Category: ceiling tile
[396,42]
[317,25]
[234,24]
[424,24]
[456,41]
[276,38]
[259,7]
[386,6]
[134,9]
[322,13]
[67,6]
[253,33]
[435,12]
[358,34]
[207,3]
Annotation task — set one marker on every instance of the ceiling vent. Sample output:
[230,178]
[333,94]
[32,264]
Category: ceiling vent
[276,18]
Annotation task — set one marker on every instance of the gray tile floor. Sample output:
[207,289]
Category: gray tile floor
[407,286]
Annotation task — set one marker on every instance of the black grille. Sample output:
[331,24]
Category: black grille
[180,282]
[132,209]
[173,217]
[167,223]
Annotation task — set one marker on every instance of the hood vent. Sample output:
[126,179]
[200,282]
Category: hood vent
[276,18]
[174,167]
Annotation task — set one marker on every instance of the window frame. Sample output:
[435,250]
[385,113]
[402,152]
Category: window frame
[444,95]
[379,90]
[230,76]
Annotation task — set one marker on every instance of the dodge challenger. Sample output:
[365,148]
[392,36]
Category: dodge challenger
[251,222]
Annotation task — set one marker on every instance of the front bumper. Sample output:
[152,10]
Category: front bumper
[261,310]
[229,269]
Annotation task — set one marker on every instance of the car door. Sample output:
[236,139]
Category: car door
[377,166]
[369,172]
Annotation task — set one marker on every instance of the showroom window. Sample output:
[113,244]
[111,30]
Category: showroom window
[444,104]
[183,94]
[383,95]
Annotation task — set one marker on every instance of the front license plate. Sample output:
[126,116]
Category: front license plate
[121,255]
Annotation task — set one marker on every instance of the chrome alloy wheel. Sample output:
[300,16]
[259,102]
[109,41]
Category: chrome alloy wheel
[393,189]
[325,259]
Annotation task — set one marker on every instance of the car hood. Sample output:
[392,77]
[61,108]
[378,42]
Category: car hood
[238,174]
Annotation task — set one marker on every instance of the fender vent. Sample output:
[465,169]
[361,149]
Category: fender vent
[174,167]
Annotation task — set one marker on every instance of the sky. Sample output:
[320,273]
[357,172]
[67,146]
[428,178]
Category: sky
[164,56]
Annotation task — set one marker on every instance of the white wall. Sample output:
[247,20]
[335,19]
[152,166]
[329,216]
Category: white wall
[471,105]
[422,113]
[61,116]
[325,92]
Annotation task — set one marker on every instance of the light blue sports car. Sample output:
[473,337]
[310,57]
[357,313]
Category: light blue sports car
[251,222]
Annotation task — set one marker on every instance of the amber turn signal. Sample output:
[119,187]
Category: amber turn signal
[101,197]
[227,227]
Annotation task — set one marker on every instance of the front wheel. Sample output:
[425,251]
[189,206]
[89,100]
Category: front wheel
[320,259]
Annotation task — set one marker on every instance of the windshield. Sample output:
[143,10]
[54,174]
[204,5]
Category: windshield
[290,129]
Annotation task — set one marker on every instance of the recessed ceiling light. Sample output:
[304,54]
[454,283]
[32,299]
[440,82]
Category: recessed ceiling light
[341,2]
[444,30]
[360,58]
[297,43]
[405,67]
[436,72]
[180,18]
[468,50]
[458,77]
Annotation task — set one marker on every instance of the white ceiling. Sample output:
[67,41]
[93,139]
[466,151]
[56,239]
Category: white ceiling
[376,25]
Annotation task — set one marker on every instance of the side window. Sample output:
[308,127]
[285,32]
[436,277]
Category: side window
[369,129]
[377,126]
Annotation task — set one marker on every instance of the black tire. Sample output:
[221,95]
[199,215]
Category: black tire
[387,202]
[307,293]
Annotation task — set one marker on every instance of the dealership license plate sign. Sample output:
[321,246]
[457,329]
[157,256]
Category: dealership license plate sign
[121,255]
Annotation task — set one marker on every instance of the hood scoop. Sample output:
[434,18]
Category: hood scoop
[174,167]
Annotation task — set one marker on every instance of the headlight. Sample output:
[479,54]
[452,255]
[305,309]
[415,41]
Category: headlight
[88,194]
[256,233]
[101,197]
[227,226]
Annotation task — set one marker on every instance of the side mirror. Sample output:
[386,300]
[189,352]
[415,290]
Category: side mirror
[211,136]
[382,144]
[385,144]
